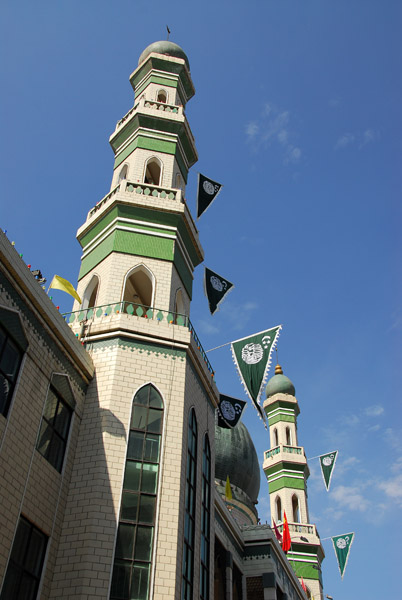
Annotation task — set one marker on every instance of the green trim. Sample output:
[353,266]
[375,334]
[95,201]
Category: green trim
[286,482]
[281,418]
[294,407]
[159,64]
[183,271]
[127,242]
[127,344]
[159,80]
[275,469]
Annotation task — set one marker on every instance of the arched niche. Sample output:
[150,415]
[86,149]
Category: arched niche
[139,287]
[275,436]
[162,96]
[91,292]
[153,171]
[278,508]
[123,173]
[295,509]
[288,436]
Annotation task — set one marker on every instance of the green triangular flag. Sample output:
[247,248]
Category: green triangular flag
[252,357]
[327,462]
[342,544]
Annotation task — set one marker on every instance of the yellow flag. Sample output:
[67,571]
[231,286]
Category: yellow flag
[58,283]
[228,489]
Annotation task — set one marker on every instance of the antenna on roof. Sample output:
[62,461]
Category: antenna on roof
[168,30]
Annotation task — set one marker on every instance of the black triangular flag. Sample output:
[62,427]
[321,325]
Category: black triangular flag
[229,411]
[216,288]
[207,192]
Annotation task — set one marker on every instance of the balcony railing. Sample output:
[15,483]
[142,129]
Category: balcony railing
[98,313]
[104,200]
[156,191]
[162,106]
[298,528]
[282,448]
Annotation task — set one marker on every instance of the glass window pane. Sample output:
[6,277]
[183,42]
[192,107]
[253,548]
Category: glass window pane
[151,451]
[28,587]
[11,582]
[135,444]
[121,580]
[10,360]
[4,391]
[50,406]
[141,396]
[125,541]
[155,401]
[143,543]
[45,435]
[55,452]
[132,476]
[36,552]
[147,508]
[129,506]
[140,581]
[2,338]
[149,478]
[63,419]
[20,541]
[139,417]
[154,420]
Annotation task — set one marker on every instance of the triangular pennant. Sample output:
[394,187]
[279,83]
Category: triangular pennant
[229,411]
[327,462]
[207,192]
[342,545]
[215,288]
[252,357]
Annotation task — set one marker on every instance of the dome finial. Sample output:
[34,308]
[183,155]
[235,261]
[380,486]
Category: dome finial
[278,370]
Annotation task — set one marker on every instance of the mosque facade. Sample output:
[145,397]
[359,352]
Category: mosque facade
[112,466]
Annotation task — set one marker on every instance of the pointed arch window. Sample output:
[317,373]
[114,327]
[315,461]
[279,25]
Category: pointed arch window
[189,517]
[162,96]
[205,520]
[295,509]
[91,292]
[139,289]
[278,507]
[276,441]
[288,436]
[153,171]
[123,173]
[134,544]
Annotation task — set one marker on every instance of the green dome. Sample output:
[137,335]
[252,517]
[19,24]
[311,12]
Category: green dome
[164,47]
[279,384]
[235,456]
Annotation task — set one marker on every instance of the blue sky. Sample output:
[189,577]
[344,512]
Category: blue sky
[297,113]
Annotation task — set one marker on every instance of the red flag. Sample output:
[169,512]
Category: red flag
[286,543]
[303,585]
[277,532]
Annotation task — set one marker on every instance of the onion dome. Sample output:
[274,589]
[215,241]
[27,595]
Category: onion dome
[235,455]
[164,47]
[279,384]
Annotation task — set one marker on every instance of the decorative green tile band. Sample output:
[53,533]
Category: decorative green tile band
[140,347]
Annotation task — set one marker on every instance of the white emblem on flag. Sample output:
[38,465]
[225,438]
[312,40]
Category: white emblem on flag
[341,543]
[252,353]
[227,410]
[327,461]
[209,188]
[217,284]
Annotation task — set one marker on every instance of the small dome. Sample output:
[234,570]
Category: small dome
[235,456]
[279,384]
[164,47]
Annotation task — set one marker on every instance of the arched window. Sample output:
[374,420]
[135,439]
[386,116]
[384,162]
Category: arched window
[13,345]
[179,304]
[276,442]
[139,289]
[162,96]
[189,517]
[205,520]
[123,173]
[179,181]
[288,436]
[91,291]
[153,170]
[278,507]
[295,509]
[133,555]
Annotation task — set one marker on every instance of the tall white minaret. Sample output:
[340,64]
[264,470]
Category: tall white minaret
[286,469]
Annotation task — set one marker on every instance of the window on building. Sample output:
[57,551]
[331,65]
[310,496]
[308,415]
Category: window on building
[278,506]
[189,517]
[295,509]
[288,436]
[22,578]
[10,361]
[162,96]
[123,173]
[138,289]
[91,292]
[153,171]
[53,434]
[205,520]
[276,442]
[133,555]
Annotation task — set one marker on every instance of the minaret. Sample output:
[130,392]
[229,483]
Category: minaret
[146,434]
[285,466]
